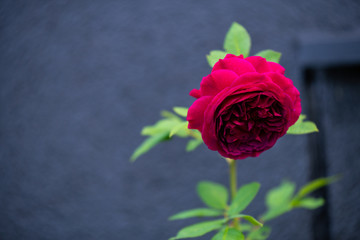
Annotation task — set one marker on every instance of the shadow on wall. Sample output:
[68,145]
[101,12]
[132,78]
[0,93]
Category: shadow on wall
[331,71]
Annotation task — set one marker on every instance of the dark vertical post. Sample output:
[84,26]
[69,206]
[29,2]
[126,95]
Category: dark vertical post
[318,166]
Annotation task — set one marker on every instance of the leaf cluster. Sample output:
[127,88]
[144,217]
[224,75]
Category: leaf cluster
[283,199]
[238,42]
[279,200]
[172,124]
[216,197]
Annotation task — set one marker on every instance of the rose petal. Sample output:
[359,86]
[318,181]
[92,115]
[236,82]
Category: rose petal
[259,63]
[195,93]
[251,78]
[287,86]
[229,55]
[283,82]
[296,111]
[239,66]
[196,111]
[216,81]
[275,67]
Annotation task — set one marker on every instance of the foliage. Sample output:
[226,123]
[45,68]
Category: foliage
[279,201]
[270,55]
[237,41]
[215,196]
[282,198]
[302,127]
[166,128]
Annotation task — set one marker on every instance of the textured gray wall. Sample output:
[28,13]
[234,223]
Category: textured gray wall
[341,117]
[79,79]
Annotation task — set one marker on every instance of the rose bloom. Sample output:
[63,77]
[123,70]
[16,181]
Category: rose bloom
[244,106]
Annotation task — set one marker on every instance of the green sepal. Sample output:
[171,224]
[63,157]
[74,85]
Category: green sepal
[199,229]
[198,212]
[213,194]
[270,55]
[243,198]
[214,57]
[237,40]
[302,127]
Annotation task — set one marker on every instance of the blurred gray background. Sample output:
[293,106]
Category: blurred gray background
[79,80]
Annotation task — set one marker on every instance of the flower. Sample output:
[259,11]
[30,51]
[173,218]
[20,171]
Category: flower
[244,106]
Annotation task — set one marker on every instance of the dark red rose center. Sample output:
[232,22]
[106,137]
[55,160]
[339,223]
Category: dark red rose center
[251,125]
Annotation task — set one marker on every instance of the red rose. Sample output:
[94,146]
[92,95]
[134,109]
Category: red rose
[244,106]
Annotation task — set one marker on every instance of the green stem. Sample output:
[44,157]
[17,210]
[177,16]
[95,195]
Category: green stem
[233,182]
[233,186]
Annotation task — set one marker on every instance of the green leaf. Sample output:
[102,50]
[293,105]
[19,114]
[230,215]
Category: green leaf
[198,212]
[237,40]
[273,213]
[195,134]
[179,129]
[281,195]
[149,143]
[260,234]
[213,194]
[270,55]
[214,57]
[228,234]
[221,234]
[302,127]
[248,218]
[245,227]
[278,200]
[243,197]
[161,126]
[309,203]
[169,115]
[192,144]
[199,229]
[166,128]
[314,185]
[181,111]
